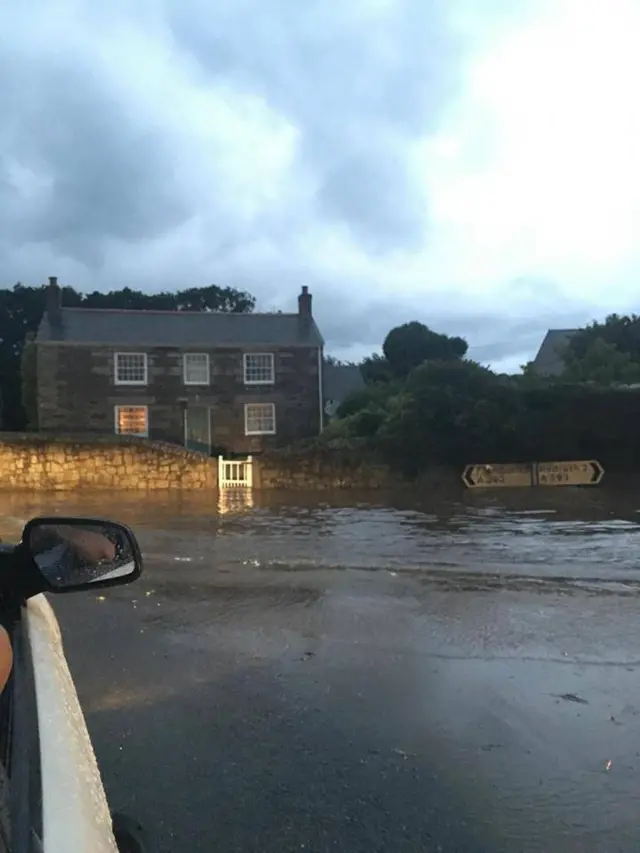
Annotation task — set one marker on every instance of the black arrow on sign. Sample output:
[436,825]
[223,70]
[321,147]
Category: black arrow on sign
[468,480]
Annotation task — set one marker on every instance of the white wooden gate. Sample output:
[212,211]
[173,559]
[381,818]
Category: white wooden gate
[235,473]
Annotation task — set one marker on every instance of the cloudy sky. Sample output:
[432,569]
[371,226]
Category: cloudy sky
[473,164]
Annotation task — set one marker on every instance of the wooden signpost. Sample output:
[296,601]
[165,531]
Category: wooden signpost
[582,473]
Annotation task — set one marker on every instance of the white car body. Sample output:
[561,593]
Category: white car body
[75,812]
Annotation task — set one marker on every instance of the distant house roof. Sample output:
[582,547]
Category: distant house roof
[178,328]
[341,380]
[549,361]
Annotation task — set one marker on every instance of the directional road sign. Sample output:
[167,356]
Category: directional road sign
[491,476]
[584,473]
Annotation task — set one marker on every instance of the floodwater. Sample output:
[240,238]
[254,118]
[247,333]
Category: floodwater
[558,535]
[367,672]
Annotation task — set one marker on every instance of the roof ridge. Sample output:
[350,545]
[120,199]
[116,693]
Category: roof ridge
[189,312]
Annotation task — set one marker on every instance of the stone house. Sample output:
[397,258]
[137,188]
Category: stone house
[238,383]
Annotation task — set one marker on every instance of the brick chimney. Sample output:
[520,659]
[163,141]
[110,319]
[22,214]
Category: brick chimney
[54,301]
[304,303]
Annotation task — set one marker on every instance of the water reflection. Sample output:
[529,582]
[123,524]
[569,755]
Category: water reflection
[577,533]
[231,501]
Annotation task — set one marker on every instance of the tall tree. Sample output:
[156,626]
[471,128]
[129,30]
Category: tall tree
[408,346]
[211,298]
[21,310]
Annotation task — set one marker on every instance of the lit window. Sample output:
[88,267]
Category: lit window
[196,368]
[132,420]
[259,419]
[258,368]
[131,368]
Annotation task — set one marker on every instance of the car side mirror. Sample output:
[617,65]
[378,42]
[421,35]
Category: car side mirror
[81,553]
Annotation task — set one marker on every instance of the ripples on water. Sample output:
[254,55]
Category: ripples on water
[565,533]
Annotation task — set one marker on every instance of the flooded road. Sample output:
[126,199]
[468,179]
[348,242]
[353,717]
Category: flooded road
[368,674]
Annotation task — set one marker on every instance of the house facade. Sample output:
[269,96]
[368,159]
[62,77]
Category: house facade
[239,383]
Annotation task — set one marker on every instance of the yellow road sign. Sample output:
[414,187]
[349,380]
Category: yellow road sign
[583,473]
[489,476]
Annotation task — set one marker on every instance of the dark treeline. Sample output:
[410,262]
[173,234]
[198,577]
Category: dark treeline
[21,309]
[425,403]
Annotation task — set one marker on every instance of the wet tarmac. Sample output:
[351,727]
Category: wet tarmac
[367,675]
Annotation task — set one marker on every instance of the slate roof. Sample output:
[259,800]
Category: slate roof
[548,361]
[179,328]
[341,380]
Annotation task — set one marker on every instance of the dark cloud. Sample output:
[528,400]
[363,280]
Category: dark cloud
[373,194]
[114,162]
[102,173]
[356,84]
[493,335]
[357,87]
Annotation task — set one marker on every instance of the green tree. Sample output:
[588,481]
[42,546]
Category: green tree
[211,298]
[603,363]
[409,345]
[454,411]
[371,397]
[447,410]
[363,413]
[441,412]
[336,362]
[619,330]
[530,378]
[20,313]
[375,368]
[21,310]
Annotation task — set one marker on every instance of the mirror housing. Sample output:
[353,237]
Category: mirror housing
[72,554]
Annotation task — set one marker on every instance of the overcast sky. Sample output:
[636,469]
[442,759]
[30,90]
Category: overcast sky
[473,164]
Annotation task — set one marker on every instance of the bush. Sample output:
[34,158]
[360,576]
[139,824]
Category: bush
[458,412]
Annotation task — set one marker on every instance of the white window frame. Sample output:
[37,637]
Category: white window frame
[116,415]
[245,364]
[185,360]
[247,431]
[116,359]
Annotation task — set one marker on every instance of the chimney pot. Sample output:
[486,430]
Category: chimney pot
[304,302]
[54,301]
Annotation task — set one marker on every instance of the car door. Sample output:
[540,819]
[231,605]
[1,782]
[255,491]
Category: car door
[54,800]
[51,793]
[23,744]
[74,812]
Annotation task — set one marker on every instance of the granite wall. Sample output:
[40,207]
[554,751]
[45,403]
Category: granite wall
[321,468]
[65,462]
[86,461]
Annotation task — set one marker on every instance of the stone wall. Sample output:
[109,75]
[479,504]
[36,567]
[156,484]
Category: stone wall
[321,468]
[37,461]
[34,461]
